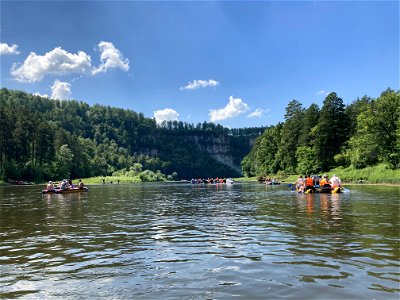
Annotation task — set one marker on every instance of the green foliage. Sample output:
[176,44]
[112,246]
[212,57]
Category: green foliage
[332,131]
[262,159]
[359,136]
[63,162]
[150,176]
[377,135]
[306,160]
[42,138]
[381,173]
[291,132]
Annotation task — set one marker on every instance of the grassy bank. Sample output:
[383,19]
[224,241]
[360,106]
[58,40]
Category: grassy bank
[379,174]
[111,179]
[245,179]
[375,174]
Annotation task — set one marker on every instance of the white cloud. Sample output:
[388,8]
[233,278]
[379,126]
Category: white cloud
[56,62]
[60,62]
[61,90]
[167,114]
[41,95]
[235,107]
[257,113]
[111,58]
[6,49]
[195,84]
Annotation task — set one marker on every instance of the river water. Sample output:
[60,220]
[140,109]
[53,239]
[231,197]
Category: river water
[180,241]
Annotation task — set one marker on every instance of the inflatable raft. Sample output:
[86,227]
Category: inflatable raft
[60,191]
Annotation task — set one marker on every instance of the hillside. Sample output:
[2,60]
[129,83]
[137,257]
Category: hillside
[42,138]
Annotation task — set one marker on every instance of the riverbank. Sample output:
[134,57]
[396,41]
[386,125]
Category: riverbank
[380,174]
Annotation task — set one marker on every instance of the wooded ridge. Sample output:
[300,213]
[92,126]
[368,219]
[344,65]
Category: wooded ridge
[42,139]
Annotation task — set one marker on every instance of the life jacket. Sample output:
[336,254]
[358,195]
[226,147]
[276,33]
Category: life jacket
[323,182]
[309,182]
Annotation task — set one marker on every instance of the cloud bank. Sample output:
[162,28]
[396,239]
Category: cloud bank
[196,84]
[235,107]
[167,114]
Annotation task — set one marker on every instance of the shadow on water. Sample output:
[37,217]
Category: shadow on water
[199,241]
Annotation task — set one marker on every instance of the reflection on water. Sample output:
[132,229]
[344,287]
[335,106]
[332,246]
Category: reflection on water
[183,242]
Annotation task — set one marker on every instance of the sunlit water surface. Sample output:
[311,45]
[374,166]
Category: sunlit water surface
[179,241]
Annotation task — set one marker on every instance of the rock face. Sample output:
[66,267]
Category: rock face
[221,148]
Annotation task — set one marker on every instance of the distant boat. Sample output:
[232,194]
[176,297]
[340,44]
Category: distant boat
[272,182]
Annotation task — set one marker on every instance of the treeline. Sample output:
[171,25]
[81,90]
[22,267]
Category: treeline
[313,139]
[42,138]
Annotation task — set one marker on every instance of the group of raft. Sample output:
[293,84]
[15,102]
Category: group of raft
[317,184]
[65,186]
[211,180]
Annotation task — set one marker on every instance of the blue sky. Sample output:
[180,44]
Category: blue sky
[234,63]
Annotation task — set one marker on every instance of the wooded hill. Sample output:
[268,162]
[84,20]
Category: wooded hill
[42,139]
[312,140]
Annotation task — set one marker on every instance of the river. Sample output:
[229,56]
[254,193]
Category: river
[182,241]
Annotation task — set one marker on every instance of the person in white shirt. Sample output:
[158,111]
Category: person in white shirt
[335,181]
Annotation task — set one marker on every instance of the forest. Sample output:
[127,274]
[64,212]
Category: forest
[312,140]
[45,139]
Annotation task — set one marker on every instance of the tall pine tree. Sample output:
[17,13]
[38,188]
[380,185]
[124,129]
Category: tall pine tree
[332,131]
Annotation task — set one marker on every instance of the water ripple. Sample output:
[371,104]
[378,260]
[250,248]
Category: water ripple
[194,242]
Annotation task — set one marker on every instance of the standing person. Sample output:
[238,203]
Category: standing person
[335,182]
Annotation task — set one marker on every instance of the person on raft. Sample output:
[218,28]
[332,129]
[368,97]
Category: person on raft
[324,181]
[80,184]
[50,186]
[309,183]
[335,182]
[64,185]
[300,184]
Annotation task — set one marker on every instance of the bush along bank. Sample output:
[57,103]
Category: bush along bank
[373,174]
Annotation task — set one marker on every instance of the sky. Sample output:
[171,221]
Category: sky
[234,63]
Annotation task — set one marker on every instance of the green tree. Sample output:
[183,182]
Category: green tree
[290,136]
[306,160]
[331,131]
[63,162]
[310,120]
[377,136]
